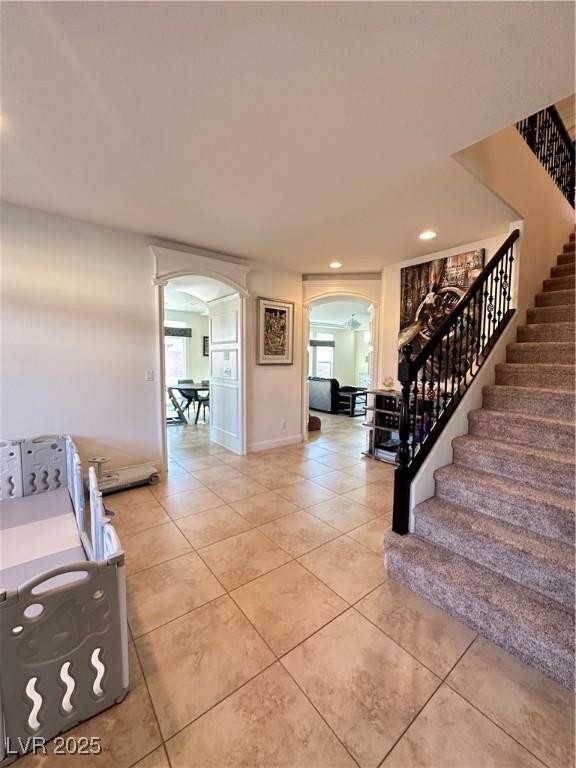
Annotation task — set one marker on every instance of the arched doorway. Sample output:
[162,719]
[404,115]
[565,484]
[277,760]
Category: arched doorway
[202,366]
[340,335]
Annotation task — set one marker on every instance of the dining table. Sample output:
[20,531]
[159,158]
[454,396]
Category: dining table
[190,393]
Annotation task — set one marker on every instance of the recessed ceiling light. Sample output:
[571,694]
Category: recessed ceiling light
[334,265]
[428,234]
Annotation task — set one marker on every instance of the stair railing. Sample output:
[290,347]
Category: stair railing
[437,378]
[548,138]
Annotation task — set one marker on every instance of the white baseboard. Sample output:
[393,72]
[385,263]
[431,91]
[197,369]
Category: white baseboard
[280,442]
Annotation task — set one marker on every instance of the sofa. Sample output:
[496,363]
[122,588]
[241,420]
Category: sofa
[323,394]
[327,395]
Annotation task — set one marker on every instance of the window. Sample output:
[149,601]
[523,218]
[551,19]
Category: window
[321,358]
[175,358]
[175,348]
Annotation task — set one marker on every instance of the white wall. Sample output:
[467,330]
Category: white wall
[80,327]
[274,392]
[509,168]
[361,351]
[197,366]
[78,332]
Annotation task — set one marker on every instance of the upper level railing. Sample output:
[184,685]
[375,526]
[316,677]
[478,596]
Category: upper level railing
[436,379]
[548,138]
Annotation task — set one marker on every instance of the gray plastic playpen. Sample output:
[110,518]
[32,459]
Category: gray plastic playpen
[63,627]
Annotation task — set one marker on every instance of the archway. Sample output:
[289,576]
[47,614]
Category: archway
[202,387]
[340,329]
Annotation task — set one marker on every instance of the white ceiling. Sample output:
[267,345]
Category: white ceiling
[294,133]
[337,311]
[192,293]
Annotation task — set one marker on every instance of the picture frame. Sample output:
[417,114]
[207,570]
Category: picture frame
[205,346]
[275,332]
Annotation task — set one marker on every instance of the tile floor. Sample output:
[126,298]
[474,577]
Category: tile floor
[264,631]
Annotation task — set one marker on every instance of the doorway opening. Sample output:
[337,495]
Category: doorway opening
[339,337]
[202,370]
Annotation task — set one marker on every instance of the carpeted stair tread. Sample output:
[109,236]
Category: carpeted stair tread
[558,283]
[559,313]
[569,247]
[547,332]
[563,270]
[539,401]
[534,466]
[566,258]
[533,627]
[537,562]
[554,298]
[536,375]
[547,352]
[523,428]
[542,511]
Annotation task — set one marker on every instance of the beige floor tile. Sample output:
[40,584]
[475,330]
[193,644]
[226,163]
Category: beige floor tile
[127,732]
[371,470]
[338,482]
[338,461]
[310,450]
[154,546]
[263,507]
[193,463]
[275,477]
[130,520]
[310,468]
[175,469]
[218,474]
[268,722]
[191,503]
[377,496]
[533,709]
[342,514]
[198,659]
[365,686]
[288,605]
[449,733]
[371,534]
[235,490]
[169,590]
[299,532]
[211,526]
[128,499]
[430,634]
[242,558]
[305,493]
[169,485]
[346,567]
[156,759]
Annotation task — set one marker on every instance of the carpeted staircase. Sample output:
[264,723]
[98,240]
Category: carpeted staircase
[495,545]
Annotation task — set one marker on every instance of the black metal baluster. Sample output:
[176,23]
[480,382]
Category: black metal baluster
[510,275]
[469,329]
[401,509]
[505,285]
[490,309]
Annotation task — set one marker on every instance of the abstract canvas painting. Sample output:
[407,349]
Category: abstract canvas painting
[430,291]
[275,332]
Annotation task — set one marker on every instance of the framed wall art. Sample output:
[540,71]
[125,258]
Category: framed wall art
[205,346]
[430,291]
[275,332]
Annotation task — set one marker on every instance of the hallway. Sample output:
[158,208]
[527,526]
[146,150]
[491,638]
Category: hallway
[265,631]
